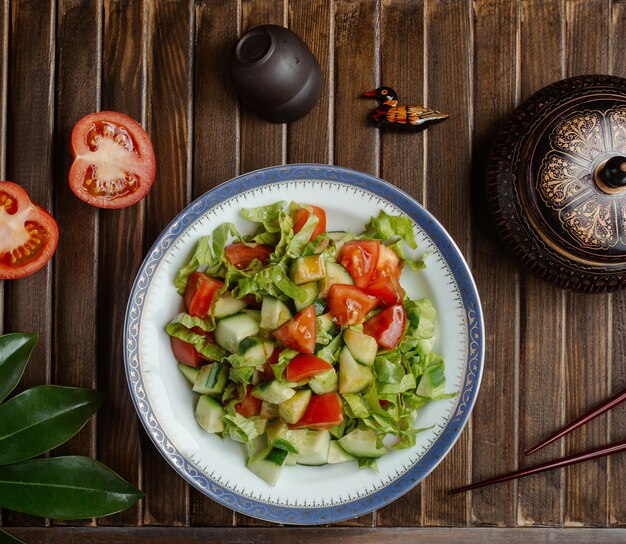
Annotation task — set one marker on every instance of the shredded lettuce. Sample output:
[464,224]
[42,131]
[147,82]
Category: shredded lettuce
[268,216]
[179,328]
[385,227]
[283,360]
[201,256]
[243,429]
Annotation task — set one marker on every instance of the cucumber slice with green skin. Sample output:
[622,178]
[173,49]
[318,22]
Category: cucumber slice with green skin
[307,269]
[280,435]
[293,409]
[360,443]
[209,414]
[277,456]
[336,454]
[311,291]
[362,346]
[274,313]
[353,377]
[273,391]
[284,445]
[227,305]
[269,410]
[211,380]
[335,273]
[267,469]
[189,372]
[255,350]
[326,382]
[291,460]
[230,331]
[313,447]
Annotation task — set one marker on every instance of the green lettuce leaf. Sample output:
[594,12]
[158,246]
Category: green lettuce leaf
[268,215]
[283,360]
[385,227]
[178,329]
[243,429]
[202,256]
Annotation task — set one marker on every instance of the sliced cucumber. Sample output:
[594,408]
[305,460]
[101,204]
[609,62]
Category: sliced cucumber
[362,346]
[227,305]
[326,382]
[361,443]
[336,454]
[327,323]
[269,410]
[335,273]
[211,380]
[254,314]
[209,414]
[273,391]
[255,350]
[189,372]
[280,435]
[291,460]
[230,331]
[293,409]
[353,377]
[268,464]
[313,447]
[274,313]
[307,269]
[311,291]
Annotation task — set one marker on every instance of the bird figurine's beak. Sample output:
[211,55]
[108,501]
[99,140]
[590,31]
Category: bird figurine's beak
[370,93]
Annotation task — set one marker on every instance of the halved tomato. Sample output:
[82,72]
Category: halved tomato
[304,365]
[385,281]
[359,258]
[186,353]
[323,412]
[349,303]
[114,164]
[299,332]
[387,327]
[302,215]
[199,294]
[249,406]
[28,234]
[242,255]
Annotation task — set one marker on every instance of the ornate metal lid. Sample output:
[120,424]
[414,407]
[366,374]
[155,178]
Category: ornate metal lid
[557,183]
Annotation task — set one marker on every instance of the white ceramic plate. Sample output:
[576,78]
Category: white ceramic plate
[165,403]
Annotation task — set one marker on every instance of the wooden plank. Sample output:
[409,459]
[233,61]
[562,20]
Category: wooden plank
[448,196]
[28,302]
[260,535]
[308,139]
[495,82]
[169,80]
[121,233]
[216,148]
[402,157]
[586,354]
[540,496]
[617,418]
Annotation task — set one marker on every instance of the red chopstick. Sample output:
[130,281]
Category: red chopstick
[572,460]
[604,407]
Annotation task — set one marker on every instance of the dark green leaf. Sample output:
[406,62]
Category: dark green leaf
[42,418]
[15,349]
[6,538]
[65,488]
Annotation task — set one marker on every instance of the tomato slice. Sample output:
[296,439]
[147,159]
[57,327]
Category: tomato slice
[349,303]
[387,327]
[385,281]
[114,164]
[323,412]
[28,234]
[186,353]
[199,294]
[242,255]
[249,406]
[268,371]
[299,332]
[303,366]
[359,258]
[302,215]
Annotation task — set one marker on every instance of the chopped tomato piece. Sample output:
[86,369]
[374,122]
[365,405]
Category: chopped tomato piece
[299,332]
[385,281]
[249,406]
[387,327]
[304,365]
[199,294]
[350,304]
[28,234]
[251,301]
[359,258]
[302,216]
[186,353]
[323,412]
[242,255]
[268,372]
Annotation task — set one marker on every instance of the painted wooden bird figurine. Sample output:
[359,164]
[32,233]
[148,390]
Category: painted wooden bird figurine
[407,118]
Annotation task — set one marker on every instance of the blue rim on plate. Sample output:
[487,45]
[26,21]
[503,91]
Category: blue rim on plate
[474,361]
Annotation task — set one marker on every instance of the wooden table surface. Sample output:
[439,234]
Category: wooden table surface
[550,354]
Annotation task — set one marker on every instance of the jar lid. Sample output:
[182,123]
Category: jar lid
[556,183]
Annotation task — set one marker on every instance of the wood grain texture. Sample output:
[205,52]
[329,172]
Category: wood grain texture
[448,197]
[121,234]
[216,148]
[402,157]
[169,86]
[496,275]
[587,321]
[542,320]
